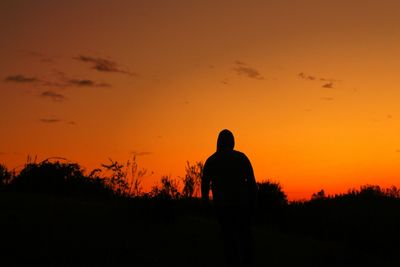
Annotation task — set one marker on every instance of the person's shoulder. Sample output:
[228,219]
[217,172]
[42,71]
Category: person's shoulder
[239,154]
[211,159]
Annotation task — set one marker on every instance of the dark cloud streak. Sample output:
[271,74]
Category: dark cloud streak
[242,69]
[238,62]
[50,120]
[62,83]
[328,82]
[306,77]
[86,82]
[53,96]
[103,65]
[328,85]
[19,78]
[55,120]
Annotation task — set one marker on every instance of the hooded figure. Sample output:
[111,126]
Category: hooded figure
[230,175]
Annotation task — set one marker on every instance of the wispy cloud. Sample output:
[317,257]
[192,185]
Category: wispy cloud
[327,98]
[104,65]
[56,120]
[242,69]
[53,96]
[86,82]
[62,82]
[141,153]
[328,82]
[328,85]
[40,56]
[19,78]
[307,77]
[304,76]
[53,120]
[225,81]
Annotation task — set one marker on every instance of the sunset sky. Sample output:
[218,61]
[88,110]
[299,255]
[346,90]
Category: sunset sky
[310,89]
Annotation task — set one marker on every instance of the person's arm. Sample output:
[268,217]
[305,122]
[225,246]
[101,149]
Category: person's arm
[251,183]
[205,183]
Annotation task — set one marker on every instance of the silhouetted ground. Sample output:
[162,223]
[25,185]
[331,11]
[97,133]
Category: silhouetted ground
[59,231]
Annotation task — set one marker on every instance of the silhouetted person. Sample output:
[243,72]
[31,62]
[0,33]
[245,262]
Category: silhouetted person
[230,175]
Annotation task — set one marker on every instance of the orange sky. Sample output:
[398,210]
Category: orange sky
[309,88]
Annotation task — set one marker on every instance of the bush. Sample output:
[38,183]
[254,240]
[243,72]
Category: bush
[125,180]
[272,201]
[271,195]
[169,189]
[59,178]
[5,176]
[192,179]
[320,195]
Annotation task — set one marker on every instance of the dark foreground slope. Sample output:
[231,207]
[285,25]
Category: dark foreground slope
[59,231]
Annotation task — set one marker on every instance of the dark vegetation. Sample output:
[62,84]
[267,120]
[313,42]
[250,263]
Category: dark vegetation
[53,213]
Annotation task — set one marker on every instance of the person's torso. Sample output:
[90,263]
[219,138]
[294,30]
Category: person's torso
[228,172]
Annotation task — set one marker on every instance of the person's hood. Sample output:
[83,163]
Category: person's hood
[226,141]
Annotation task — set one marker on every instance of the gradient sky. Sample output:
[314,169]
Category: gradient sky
[310,89]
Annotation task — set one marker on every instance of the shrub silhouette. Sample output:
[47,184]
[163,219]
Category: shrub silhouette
[320,195]
[168,190]
[192,179]
[392,192]
[364,217]
[272,201]
[135,187]
[118,180]
[5,176]
[59,178]
[51,176]
[126,179]
[270,195]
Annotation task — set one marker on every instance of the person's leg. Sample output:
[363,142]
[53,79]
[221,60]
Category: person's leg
[245,240]
[229,231]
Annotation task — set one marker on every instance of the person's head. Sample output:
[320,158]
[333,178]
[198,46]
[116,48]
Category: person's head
[225,141]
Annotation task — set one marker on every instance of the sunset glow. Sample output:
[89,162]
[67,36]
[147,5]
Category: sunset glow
[310,89]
